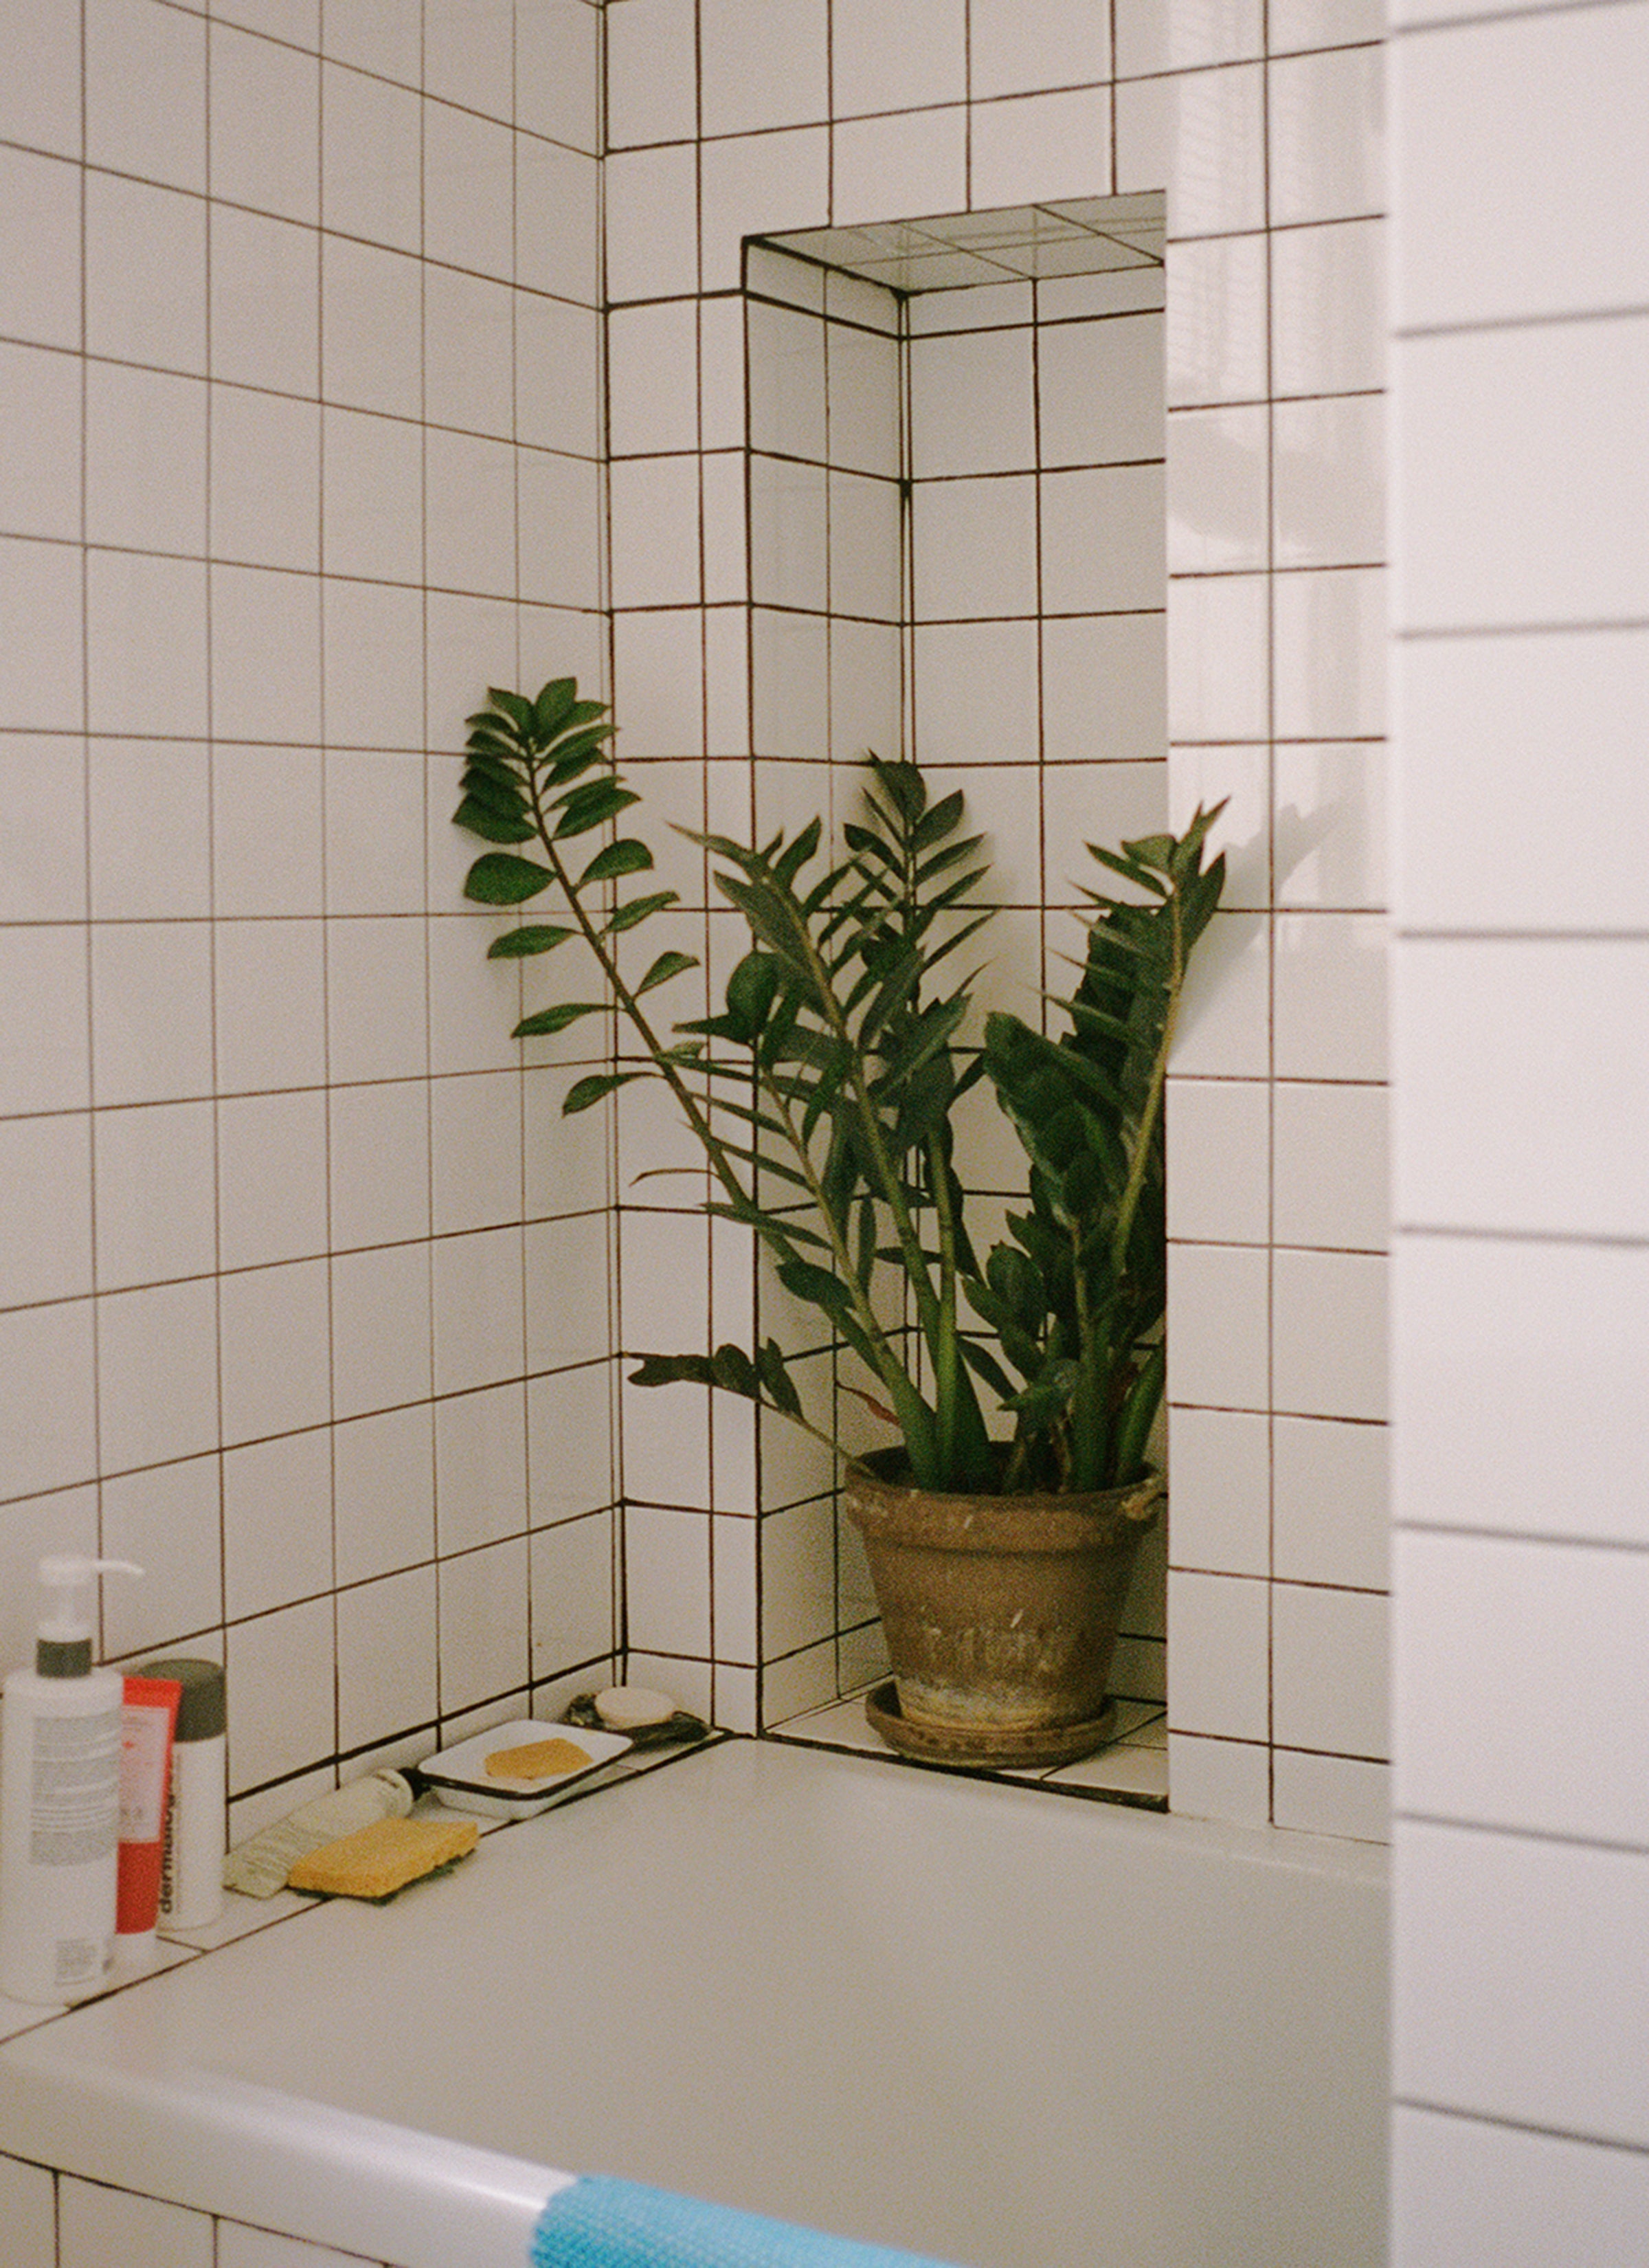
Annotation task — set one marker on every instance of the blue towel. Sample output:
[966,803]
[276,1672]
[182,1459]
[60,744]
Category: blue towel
[599,2223]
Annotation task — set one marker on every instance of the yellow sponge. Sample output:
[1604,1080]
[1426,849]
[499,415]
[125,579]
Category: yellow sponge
[376,1861]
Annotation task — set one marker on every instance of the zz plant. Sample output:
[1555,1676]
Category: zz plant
[823,1096]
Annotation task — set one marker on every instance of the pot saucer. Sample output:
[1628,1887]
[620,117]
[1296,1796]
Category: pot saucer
[1015,1748]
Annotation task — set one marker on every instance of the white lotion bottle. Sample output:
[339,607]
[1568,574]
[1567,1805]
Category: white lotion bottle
[60,1795]
[191,1863]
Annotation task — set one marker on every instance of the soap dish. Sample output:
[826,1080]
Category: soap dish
[460,1777]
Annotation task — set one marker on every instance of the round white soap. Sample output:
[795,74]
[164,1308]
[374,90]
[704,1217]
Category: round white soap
[626,1707]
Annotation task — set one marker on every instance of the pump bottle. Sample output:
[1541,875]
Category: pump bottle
[60,1799]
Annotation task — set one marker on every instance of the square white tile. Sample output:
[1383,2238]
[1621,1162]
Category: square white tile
[273,1331]
[152,1006]
[480,1468]
[271,1178]
[975,548]
[40,295]
[1219,1141]
[1065,42]
[652,73]
[265,655]
[372,301]
[1332,1166]
[972,406]
[1216,321]
[1159,35]
[263,105]
[1476,1610]
[170,1516]
[1218,1308]
[1219,1491]
[483,1624]
[380,1162]
[479,1298]
[1218,485]
[1328,1670]
[1328,482]
[383,1491]
[265,296]
[878,64]
[1326,136]
[759,183]
[1201,133]
[761,71]
[370,183]
[279,1670]
[1040,146]
[1219,639]
[51,1433]
[572,1576]
[1329,1353]
[1331,1508]
[145,92]
[652,213]
[1218,1629]
[1330,995]
[910,162]
[277,1522]
[271,1005]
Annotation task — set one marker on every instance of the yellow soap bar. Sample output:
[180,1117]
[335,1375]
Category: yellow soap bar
[376,1861]
[536,1760]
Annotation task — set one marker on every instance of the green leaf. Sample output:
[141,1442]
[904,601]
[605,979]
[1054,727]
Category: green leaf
[554,705]
[550,1021]
[584,1092]
[638,910]
[817,1286]
[477,818]
[780,1391]
[625,857]
[666,966]
[592,805]
[519,711]
[532,937]
[499,879]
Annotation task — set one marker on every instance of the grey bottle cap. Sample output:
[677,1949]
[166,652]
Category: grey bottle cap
[202,1704]
[63,1657]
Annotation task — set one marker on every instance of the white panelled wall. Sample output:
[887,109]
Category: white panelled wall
[1520,1322]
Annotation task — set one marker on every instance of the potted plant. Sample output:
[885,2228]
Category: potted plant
[823,1095]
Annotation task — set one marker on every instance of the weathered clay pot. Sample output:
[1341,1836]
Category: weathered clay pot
[1000,1612]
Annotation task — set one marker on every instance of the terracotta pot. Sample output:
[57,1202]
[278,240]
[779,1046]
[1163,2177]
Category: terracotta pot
[1000,1612]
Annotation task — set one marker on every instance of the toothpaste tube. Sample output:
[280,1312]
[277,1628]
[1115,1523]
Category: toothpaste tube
[149,1716]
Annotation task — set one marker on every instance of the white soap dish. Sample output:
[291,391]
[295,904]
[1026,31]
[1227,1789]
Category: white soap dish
[460,1777]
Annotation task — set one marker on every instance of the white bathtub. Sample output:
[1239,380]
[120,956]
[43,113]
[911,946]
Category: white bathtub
[975,2019]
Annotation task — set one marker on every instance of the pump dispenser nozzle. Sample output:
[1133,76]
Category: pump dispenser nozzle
[63,1645]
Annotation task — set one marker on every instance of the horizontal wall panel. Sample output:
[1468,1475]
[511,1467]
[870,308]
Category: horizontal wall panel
[1518,1380]
[1521,1684]
[1519,1988]
[1522,1085]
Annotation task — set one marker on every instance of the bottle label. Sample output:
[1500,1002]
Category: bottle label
[75,1808]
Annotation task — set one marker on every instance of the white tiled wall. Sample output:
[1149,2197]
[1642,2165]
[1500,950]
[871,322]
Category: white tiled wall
[1268,143]
[299,332]
[299,446]
[1520,1287]
[53,2220]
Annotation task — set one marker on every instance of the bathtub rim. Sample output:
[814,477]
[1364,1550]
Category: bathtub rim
[202,2138]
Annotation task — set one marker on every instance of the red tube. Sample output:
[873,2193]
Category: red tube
[149,1718]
